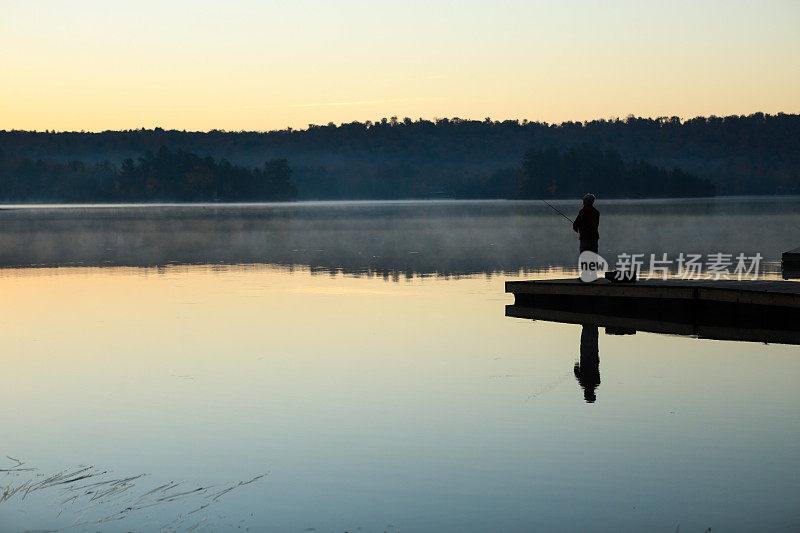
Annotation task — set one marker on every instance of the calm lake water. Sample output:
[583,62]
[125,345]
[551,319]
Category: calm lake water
[159,360]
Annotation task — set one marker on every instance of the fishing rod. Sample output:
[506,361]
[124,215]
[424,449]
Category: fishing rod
[556,210]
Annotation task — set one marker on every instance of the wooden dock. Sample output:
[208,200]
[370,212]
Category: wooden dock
[790,264]
[763,311]
[791,259]
[759,292]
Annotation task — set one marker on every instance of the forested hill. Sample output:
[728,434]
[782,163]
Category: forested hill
[755,154]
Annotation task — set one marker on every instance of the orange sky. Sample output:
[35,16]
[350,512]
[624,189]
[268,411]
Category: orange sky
[252,65]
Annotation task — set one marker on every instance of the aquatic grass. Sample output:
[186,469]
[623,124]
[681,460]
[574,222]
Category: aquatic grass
[92,496]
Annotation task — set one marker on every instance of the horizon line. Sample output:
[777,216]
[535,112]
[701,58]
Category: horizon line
[401,121]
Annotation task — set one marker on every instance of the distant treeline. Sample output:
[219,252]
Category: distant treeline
[166,175]
[180,176]
[400,158]
[548,173]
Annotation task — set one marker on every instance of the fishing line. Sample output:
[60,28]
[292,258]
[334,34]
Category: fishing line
[556,210]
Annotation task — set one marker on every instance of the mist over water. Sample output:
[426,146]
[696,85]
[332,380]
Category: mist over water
[397,238]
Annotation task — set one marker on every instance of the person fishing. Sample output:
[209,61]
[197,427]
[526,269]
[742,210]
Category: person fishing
[586,224]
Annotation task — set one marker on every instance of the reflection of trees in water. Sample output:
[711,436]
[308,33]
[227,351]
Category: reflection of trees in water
[392,240]
[587,369]
[388,241]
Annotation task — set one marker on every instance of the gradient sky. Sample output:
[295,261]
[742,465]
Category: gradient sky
[260,65]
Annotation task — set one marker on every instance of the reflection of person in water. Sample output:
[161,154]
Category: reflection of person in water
[587,370]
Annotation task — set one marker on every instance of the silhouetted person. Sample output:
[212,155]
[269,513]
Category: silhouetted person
[586,224]
[587,371]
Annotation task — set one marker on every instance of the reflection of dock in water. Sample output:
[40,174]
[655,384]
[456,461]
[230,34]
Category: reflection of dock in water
[759,311]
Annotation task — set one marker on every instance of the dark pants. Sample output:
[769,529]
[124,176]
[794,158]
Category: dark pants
[588,245]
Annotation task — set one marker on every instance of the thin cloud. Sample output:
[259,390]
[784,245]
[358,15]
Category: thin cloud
[331,104]
[356,102]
